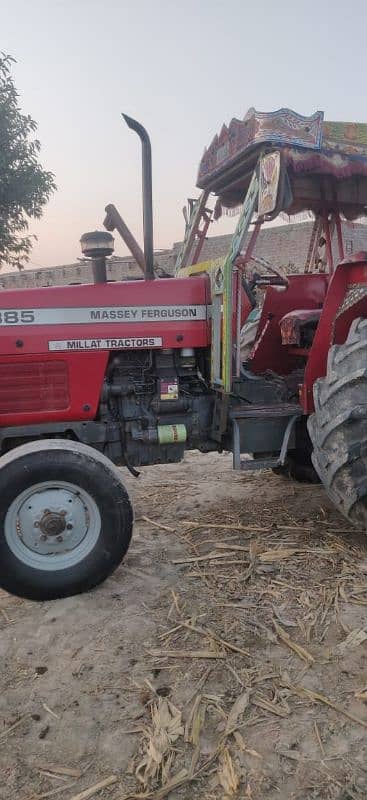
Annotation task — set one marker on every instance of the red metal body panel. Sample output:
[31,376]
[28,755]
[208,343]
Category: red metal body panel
[26,342]
[334,326]
[304,292]
[307,292]
[246,307]
[164,292]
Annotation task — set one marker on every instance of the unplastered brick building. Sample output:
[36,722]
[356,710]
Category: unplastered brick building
[283,245]
[287,245]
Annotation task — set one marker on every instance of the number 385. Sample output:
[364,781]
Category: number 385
[16,317]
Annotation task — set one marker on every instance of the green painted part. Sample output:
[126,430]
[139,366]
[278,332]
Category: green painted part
[235,248]
[172,434]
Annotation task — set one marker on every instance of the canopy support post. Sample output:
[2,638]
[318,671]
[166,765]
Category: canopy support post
[338,224]
[251,244]
[328,247]
[222,296]
[339,233]
[313,245]
[327,227]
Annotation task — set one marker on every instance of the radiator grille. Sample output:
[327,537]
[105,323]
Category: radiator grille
[36,386]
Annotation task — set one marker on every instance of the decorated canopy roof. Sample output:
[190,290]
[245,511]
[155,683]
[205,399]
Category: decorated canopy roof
[325,162]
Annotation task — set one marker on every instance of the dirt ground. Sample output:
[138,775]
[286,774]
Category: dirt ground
[225,658]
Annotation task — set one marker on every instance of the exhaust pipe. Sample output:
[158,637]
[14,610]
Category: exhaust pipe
[147,194]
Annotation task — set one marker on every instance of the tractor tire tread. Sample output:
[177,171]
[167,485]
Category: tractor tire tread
[338,427]
[82,465]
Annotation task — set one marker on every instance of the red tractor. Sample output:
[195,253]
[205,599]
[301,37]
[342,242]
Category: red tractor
[137,372]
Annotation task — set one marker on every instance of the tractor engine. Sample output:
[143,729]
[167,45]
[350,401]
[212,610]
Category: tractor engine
[159,402]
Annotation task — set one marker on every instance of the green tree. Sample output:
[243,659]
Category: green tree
[24,186]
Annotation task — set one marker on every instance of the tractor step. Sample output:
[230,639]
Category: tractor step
[261,411]
[259,429]
[250,465]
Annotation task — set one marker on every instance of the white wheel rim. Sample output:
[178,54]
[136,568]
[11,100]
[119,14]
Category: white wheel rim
[52,525]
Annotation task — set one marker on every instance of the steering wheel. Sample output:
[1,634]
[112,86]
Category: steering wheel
[266,280]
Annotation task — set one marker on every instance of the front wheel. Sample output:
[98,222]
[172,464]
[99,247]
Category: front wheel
[65,519]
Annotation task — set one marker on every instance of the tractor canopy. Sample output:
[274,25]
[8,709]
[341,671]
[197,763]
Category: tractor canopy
[307,163]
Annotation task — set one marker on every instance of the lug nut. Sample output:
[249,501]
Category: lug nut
[43,537]
[69,527]
[59,539]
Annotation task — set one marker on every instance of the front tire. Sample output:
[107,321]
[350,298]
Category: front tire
[65,519]
[338,428]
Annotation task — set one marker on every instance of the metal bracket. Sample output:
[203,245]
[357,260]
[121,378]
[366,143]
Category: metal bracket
[197,212]
[268,463]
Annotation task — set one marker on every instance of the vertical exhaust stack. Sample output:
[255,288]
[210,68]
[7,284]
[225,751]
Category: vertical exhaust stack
[147,194]
[97,245]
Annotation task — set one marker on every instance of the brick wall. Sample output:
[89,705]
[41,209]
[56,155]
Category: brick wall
[285,246]
[118,269]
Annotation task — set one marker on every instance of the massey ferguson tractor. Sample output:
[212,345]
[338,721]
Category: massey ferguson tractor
[94,377]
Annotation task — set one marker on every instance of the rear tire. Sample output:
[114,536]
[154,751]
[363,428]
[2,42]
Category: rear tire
[65,519]
[338,428]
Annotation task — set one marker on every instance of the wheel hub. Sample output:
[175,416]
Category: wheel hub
[52,523]
[52,519]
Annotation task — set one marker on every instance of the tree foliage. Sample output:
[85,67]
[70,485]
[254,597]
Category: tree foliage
[25,186]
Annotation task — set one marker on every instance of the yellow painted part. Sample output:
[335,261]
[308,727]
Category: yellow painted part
[203,266]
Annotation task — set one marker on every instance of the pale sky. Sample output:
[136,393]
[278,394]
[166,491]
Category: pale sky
[182,69]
